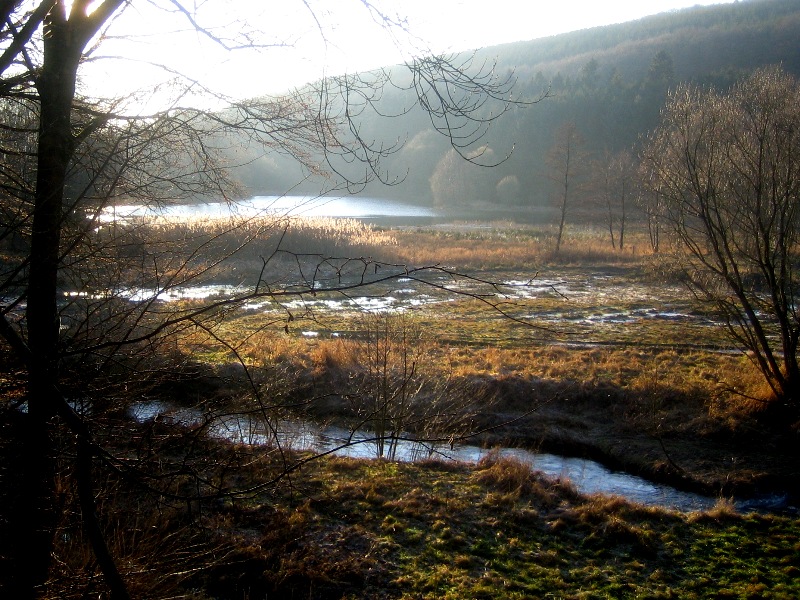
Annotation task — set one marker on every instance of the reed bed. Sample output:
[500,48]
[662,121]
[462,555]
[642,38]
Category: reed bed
[463,246]
[308,234]
[237,250]
[502,245]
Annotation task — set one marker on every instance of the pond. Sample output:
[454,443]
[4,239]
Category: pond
[350,207]
[588,477]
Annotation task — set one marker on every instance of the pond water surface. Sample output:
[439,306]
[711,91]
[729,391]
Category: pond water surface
[351,207]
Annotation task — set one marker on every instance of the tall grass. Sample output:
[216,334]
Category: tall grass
[464,246]
[296,234]
[232,250]
[503,245]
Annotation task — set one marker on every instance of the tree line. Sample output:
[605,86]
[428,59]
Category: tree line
[611,82]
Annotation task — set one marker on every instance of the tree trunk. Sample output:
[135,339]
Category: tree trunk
[561,226]
[67,29]
[611,223]
[56,86]
[622,219]
[91,524]
[563,220]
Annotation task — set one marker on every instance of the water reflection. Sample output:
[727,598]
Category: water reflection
[587,476]
[296,206]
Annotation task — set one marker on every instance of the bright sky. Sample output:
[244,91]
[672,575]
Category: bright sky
[340,36]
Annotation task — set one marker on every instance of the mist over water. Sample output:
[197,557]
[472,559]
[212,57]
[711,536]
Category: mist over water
[345,207]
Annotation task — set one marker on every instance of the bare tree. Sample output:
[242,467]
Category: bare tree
[72,275]
[397,395]
[648,198]
[728,171]
[614,178]
[566,163]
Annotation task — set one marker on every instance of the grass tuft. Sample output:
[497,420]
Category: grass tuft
[513,480]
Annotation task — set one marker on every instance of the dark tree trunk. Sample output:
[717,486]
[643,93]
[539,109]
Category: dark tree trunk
[65,37]
[611,223]
[91,524]
[564,198]
[622,219]
[56,87]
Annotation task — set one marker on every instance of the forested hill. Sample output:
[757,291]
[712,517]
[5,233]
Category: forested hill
[611,82]
[709,43]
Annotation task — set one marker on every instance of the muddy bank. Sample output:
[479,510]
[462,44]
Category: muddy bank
[672,439]
[748,461]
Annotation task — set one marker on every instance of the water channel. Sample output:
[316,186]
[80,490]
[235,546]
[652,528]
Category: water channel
[588,477]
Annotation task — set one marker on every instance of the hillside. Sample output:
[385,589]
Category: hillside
[611,82]
[705,42]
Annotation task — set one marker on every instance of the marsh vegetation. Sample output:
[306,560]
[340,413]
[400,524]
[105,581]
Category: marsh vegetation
[591,352]
[185,392]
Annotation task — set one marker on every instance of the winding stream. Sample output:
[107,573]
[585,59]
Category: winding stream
[588,477]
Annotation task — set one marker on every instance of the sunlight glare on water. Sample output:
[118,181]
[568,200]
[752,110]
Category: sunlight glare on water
[587,476]
[278,206]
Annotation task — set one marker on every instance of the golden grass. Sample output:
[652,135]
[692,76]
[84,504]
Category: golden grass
[511,479]
[643,381]
[245,243]
[479,347]
[724,509]
[644,372]
[514,246]
[299,234]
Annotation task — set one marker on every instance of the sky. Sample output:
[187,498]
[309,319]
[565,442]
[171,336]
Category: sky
[306,39]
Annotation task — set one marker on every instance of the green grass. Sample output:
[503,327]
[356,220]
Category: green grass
[438,531]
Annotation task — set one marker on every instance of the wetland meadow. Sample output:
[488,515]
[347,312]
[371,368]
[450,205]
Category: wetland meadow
[443,413]
[591,353]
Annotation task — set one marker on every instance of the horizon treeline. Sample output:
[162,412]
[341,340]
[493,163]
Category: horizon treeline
[611,82]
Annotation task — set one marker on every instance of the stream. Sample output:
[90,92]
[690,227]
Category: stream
[588,477]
